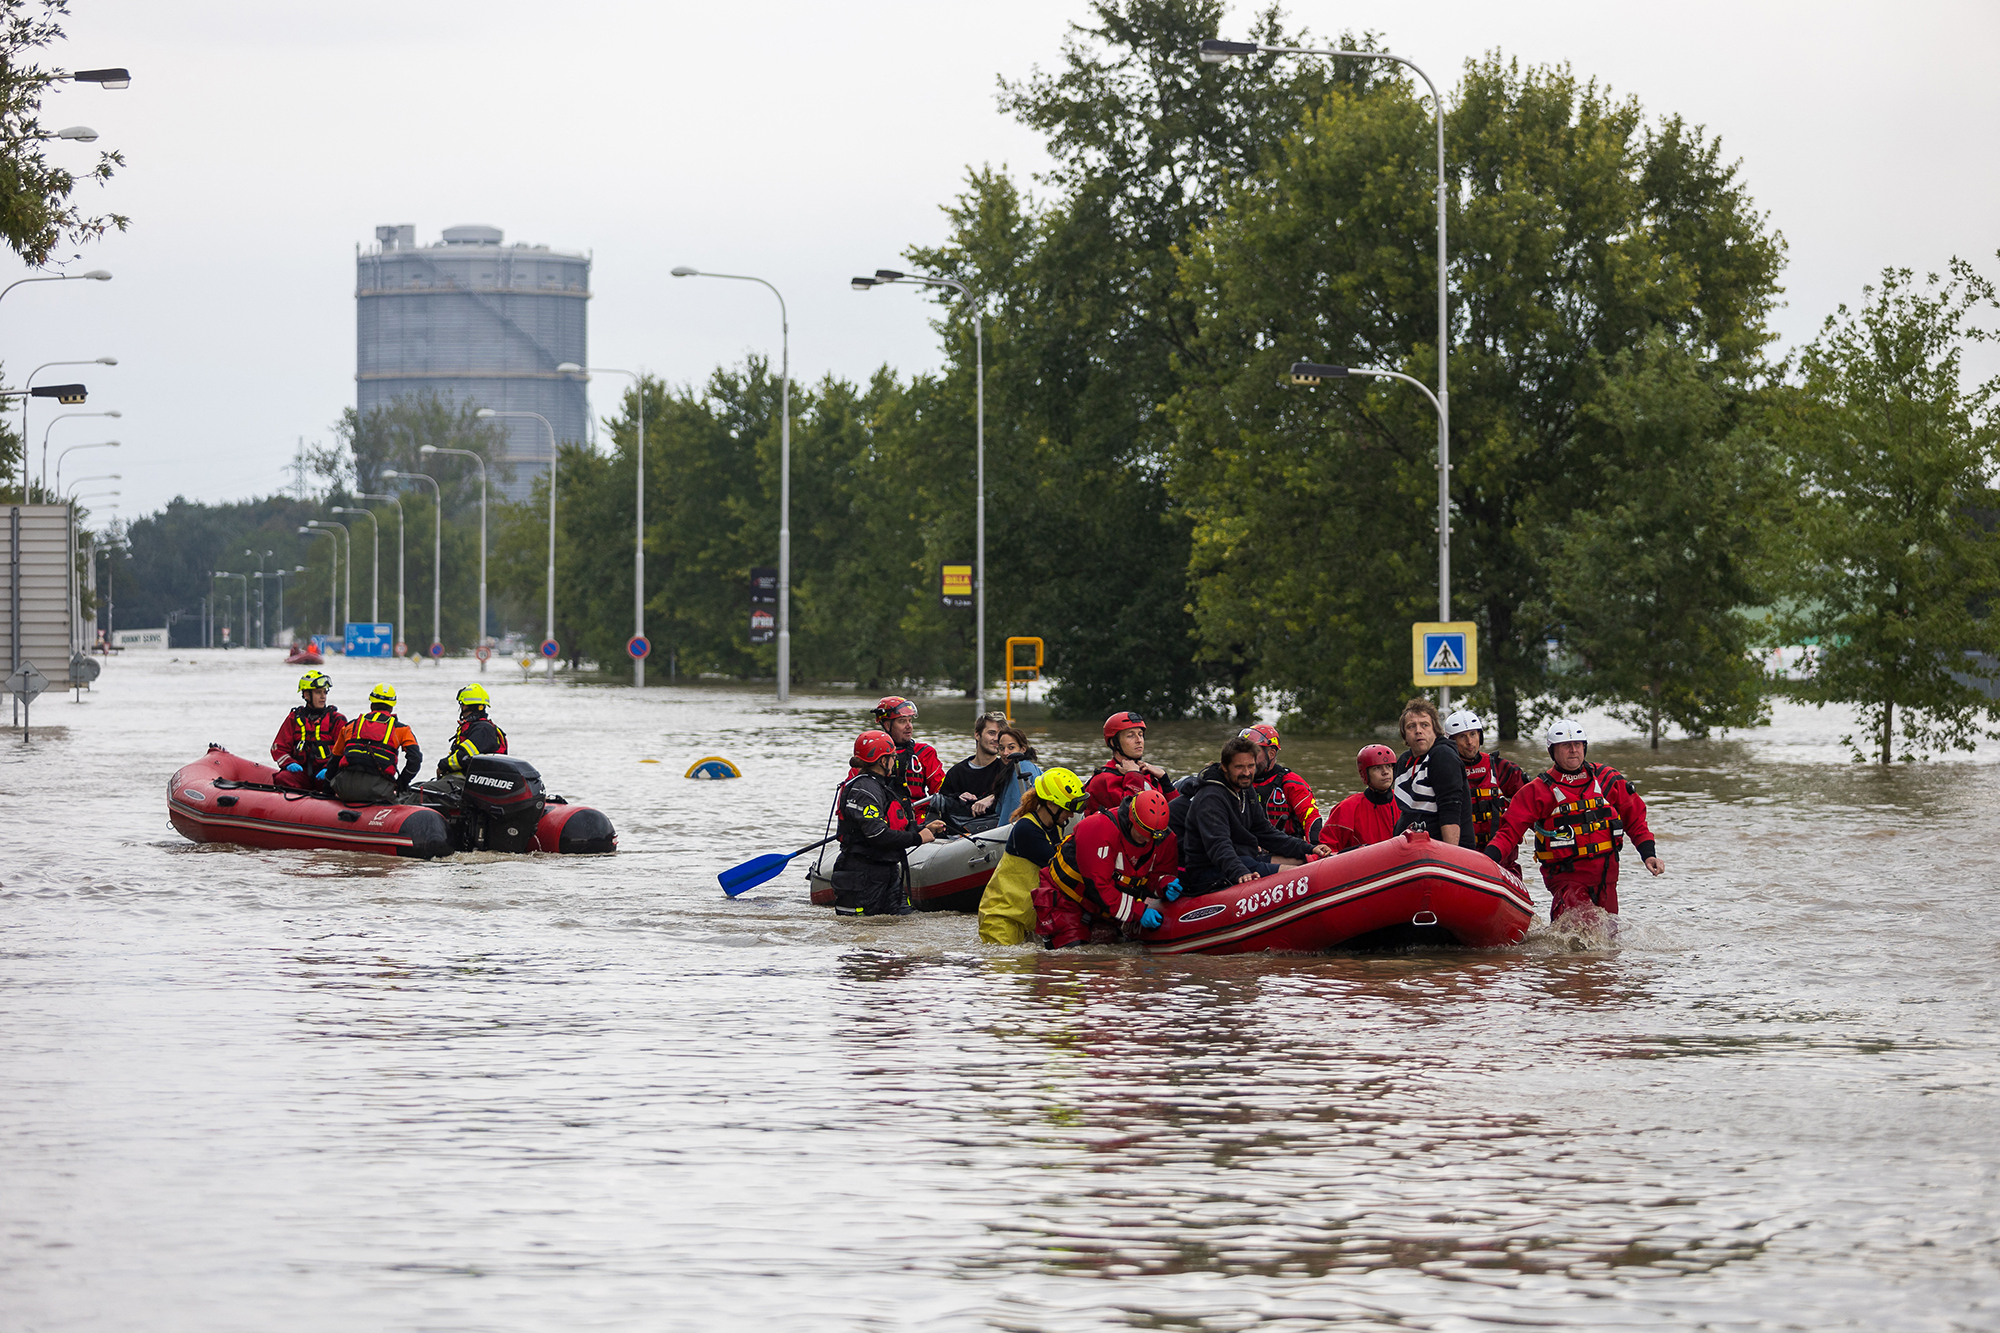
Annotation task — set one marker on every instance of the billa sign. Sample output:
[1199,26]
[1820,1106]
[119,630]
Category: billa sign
[957,586]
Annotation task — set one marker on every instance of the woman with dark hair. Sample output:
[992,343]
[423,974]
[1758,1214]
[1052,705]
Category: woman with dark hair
[1022,770]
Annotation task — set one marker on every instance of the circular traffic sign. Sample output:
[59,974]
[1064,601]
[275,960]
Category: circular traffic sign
[437,649]
[550,648]
[638,646]
[482,652]
[402,649]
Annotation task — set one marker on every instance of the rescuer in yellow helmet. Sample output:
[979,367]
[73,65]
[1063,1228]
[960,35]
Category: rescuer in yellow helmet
[477,733]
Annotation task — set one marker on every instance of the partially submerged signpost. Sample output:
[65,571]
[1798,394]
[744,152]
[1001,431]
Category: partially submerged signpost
[25,683]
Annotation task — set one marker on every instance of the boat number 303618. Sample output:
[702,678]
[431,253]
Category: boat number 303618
[1272,896]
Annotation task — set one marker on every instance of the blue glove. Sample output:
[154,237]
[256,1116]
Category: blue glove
[1173,890]
[295,768]
[1151,919]
[320,776]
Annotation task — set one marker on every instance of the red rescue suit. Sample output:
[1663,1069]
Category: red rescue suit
[1110,785]
[306,737]
[1493,781]
[1100,873]
[1289,804]
[1580,822]
[1365,817]
[917,770]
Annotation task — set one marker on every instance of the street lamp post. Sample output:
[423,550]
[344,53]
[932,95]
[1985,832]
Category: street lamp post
[639,510]
[279,575]
[375,570]
[94,361]
[784,474]
[396,501]
[437,553]
[60,416]
[885,277]
[225,574]
[1214,52]
[347,580]
[332,582]
[70,588]
[479,639]
[95,275]
[489,412]
[263,634]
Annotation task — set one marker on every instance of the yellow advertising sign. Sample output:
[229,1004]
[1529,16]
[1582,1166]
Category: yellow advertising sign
[1444,652]
[958,585]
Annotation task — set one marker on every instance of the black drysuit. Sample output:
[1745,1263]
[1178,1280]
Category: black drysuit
[868,875]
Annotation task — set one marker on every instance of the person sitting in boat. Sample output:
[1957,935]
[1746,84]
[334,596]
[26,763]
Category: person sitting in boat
[1581,814]
[1023,767]
[1430,779]
[1490,780]
[1368,816]
[917,769]
[876,829]
[1288,798]
[1225,836]
[1126,773]
[364,757]
[970,794]
[305,740]
[1104,871]
[1007,906]
[477,733]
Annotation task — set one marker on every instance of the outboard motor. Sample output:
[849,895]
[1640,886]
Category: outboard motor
[505,794]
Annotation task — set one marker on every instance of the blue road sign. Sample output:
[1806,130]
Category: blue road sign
[369,640]
[638,646]
[550,648]
[1444,654]
[437,649]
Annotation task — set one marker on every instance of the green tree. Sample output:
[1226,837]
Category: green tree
[1898,559]
[1578,229]
[35,212]
[1650,584]
[1085,323]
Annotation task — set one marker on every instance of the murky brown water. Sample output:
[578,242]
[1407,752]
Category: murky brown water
[251,1090]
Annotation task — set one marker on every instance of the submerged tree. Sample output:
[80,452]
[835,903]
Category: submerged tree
[1898,558]
[1651,584]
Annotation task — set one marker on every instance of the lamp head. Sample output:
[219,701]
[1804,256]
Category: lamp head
[1309,373]
[105,78]
[887,275]
[862,284]
[1215,51]
[107,360]
[569,368]
[114,413]
[486,412]
[96,275]
[79,133]
[427,449]
[683,271]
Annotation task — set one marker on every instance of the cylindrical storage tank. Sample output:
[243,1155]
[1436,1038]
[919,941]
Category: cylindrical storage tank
[482,322]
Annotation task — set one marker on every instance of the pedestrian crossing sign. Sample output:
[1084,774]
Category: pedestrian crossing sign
[1445,652]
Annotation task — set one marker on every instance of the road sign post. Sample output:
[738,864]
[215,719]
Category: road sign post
[1444,654]
[26,683]
[551,650]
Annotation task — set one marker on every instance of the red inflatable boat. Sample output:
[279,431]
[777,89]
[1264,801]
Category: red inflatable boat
[1406,891]
[304,654]
[222,797]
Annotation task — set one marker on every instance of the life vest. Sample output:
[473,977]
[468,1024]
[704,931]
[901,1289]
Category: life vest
[1489,802]
[895,808]
[462,748]
[1129,875]
[369,750]
[1584,824]
[313,737]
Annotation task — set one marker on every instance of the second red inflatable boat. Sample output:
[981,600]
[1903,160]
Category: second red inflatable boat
[1406,891]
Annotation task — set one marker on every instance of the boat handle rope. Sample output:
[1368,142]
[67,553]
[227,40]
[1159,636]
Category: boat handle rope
[1424,918]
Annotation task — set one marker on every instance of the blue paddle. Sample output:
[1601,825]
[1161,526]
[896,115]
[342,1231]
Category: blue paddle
[743,878]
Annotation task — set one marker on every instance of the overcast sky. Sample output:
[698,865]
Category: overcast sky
[804,143]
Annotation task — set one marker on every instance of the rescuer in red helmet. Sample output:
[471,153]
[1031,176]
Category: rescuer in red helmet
[1581,813]
[1224,834]
[1104,871]
[1370,814]
[917,768]
[1126,772]
[1288,798]
[876,829]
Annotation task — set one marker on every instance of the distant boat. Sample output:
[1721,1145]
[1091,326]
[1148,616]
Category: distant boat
[304,654]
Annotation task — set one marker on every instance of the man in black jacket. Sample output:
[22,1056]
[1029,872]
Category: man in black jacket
[1225,836]
[876,829]
[1431,793]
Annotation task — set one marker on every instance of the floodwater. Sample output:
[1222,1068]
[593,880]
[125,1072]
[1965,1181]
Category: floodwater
[248,1090]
